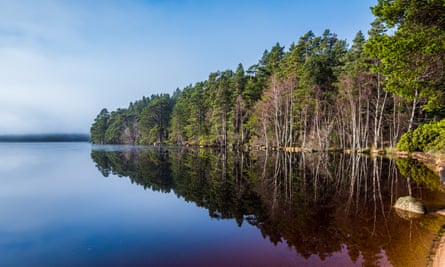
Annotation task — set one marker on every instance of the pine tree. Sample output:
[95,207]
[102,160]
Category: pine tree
[99,127]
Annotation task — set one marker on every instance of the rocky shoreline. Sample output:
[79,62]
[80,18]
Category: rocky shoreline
[437,163]
[437,254]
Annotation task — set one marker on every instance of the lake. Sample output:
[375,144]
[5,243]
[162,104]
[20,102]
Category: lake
[74,204]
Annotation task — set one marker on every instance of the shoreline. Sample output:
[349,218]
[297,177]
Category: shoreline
[435,161]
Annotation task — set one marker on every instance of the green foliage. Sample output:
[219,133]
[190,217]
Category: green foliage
[99,127]
[132,125]
[428,137]
[409,40]
[154,120]
[320,93]
[113,134]
[405,143]
[417,171]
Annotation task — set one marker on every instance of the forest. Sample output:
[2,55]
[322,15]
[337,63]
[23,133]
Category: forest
[385,89]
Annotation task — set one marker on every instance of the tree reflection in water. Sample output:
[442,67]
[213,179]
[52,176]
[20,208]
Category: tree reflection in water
[318,203]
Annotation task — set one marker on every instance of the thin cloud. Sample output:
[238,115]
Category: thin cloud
[62,61]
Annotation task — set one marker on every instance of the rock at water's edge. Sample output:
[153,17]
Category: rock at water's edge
[411,204]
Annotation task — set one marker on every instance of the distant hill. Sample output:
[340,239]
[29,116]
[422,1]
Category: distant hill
[45,138]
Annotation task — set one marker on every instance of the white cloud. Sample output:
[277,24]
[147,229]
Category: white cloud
[38,93]
[51,78]
[62,61]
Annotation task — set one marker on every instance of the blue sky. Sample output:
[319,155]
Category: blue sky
[63,61]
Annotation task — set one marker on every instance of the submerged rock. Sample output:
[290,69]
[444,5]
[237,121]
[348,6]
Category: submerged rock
[409,203]
[408,215]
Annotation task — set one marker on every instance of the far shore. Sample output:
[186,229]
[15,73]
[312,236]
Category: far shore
[52,137]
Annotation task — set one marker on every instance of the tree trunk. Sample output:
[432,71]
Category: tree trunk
[413,111]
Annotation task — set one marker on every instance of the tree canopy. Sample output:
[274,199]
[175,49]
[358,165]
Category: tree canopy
[411,49]
[318,94]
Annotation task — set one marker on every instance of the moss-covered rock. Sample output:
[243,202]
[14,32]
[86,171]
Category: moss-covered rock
[410,204]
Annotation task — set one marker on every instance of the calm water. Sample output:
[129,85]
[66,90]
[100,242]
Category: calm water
[73,204]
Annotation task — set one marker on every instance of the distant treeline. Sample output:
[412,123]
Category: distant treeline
[321,93]
[45,138]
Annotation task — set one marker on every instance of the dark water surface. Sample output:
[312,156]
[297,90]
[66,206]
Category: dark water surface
[73,204]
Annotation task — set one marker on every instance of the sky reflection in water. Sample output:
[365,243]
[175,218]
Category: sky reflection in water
[58,210]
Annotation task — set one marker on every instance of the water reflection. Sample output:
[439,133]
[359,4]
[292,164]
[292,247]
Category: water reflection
[318,204]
